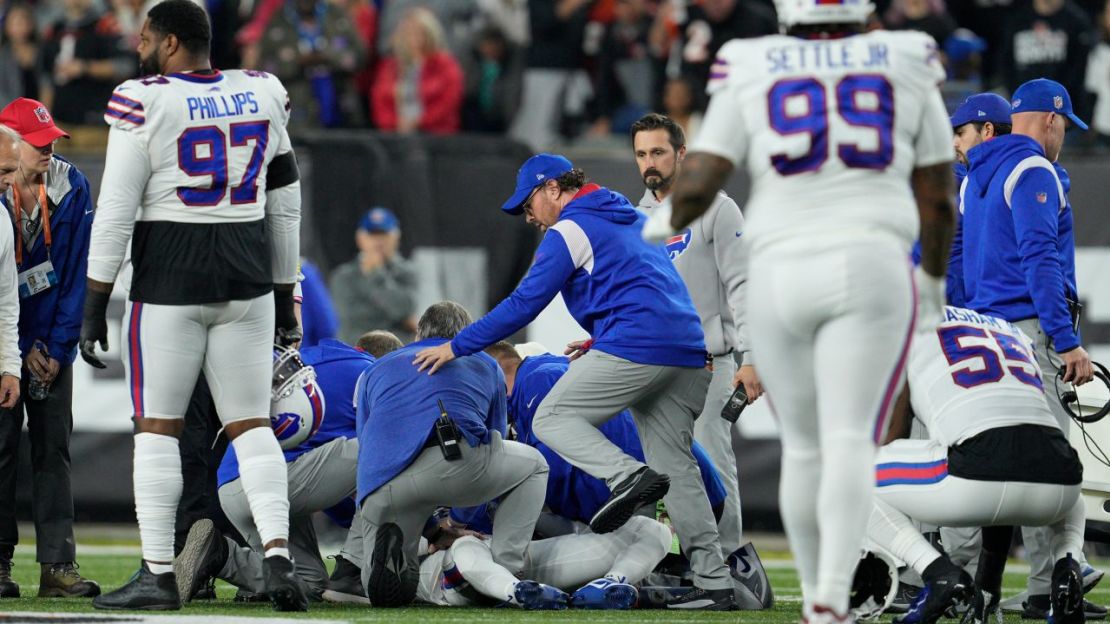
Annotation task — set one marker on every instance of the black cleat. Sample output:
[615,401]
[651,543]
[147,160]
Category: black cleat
[907,593]
[8,587]
[946,588]
[643,487]
[391,582]
[145,591]
[282,584]
[345,584]
[1036,607]
[247,596]
[983,607]
[207,591]
[1067,592]
[704,600]
[203,555]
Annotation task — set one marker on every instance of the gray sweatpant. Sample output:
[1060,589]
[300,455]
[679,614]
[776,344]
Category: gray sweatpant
[715,435]
[515,472]
[318,480]
[1038,540]
[664,401]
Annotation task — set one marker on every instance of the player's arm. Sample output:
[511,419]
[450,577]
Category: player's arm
[126,171]
[931,181]
[283,212]
[703,175]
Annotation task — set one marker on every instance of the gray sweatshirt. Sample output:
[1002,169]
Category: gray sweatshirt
[713,264]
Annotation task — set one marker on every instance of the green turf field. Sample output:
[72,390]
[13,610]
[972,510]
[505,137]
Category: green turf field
[112,570]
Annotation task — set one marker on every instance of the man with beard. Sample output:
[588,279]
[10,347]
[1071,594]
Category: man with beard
[710,260]
[204,183]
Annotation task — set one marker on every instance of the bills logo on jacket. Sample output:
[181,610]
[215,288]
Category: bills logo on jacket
[677,244]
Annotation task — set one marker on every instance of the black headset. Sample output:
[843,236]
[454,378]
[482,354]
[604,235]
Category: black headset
[1069,396]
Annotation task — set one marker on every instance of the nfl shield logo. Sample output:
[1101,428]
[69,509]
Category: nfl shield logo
[1058,101]
[1042,198]
[42,114]
[677,244]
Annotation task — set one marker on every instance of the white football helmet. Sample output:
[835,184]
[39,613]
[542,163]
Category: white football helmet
[297,403]
[874,585]
[806,12]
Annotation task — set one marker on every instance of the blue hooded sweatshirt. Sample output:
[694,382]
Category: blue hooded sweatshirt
[338,367]
[397,408]
[318,317]
[1018,246]
[53,316]
[572,493]
[624,292]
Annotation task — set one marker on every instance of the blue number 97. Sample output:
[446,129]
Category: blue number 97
[815,121]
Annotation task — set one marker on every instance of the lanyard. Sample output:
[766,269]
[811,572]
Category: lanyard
[17,214]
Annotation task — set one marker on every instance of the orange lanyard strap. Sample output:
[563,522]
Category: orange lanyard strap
[17,214]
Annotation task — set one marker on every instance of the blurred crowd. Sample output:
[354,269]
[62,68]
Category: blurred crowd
[544,71]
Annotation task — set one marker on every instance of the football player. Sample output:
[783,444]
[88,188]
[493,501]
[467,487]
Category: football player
[835,127]
[199,166]
[995,457]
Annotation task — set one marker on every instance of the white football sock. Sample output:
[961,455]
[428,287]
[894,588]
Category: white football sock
[157,479]
[265,482]
[894,531]
[801,469]
[844,498]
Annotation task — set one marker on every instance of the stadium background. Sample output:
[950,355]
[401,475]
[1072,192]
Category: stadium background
[469,251]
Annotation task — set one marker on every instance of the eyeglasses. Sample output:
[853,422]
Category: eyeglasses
[527,205]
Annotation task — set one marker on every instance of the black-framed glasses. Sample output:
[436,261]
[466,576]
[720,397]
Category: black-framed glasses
[527,205]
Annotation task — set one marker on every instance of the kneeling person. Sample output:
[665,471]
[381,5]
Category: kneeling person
[427,441]
[996,457]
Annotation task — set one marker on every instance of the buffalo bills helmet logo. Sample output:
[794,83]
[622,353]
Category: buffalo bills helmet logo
[677,244]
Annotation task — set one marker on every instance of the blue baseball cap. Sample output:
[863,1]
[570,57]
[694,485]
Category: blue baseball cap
[982,107]
[379,220]
[1044,96]
[535,171]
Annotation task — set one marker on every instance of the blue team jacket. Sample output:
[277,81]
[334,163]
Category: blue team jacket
[338,367]
[1018,255]
[397,408]
[572,493]
[318,317]
[624,292]
[54,315]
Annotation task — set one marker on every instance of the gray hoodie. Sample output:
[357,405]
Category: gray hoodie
[713,263]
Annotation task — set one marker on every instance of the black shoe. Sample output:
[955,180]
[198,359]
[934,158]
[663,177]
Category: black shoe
[946,588]
[1067,592]
[207,591]
[8,587]
[282,585]
[391,583]
[645,486]
[1036,607]
[145,591]
[203,555]
[704,600]
[247,596]
[907,593]
[345,584]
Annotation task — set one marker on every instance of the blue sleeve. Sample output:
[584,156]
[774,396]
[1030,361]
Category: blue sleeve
[317,312]
[550,271]
[954,289]
[66,330]
[714,487]
[478,518]
[498,417]
[1035,203]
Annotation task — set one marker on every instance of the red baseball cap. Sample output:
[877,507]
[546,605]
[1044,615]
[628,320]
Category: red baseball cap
[31,119]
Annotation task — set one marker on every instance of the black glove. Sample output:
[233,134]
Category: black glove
[94,326]
[287,331]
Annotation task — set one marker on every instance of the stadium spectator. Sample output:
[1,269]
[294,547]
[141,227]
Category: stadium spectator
[377,289]
[456,18]
[19,54]
[1098,79]
[554,84]
[493,83]
[625,88]
[419,86]
[509,16]
[1047,39]
[928,16]
[50,210]
[712,23]
[84,58]
[314,49]
[680,103]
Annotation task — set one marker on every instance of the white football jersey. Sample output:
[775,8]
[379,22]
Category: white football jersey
[209,138]
[973,373]
[829,130]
